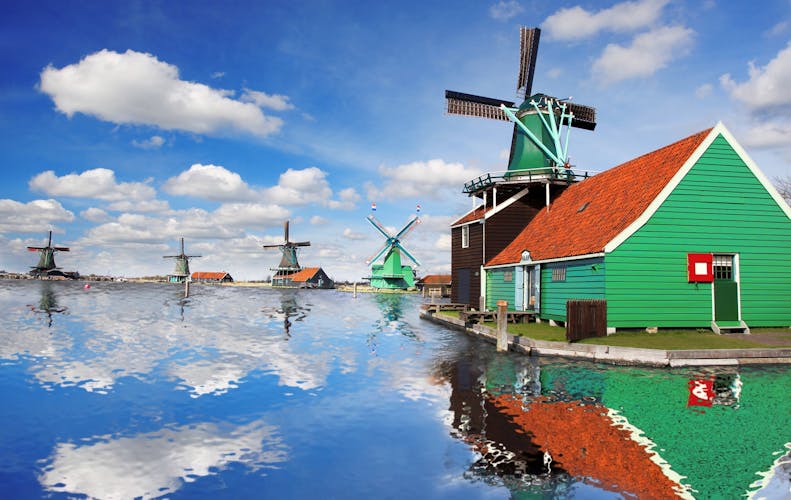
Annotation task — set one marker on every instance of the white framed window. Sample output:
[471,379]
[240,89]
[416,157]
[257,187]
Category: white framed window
[559,273]
[465,236]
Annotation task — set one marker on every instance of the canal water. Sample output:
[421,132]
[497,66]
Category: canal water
[128,390]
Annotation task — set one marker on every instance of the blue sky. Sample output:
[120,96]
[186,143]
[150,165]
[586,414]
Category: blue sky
[127,125]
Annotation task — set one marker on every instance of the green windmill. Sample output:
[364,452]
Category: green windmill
[392,275]
[46,261]
[538,142]
[182,271]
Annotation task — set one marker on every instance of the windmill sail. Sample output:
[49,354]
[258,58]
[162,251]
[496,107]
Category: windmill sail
[528,52]
[459,103]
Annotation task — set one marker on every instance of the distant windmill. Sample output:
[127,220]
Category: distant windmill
[182,270]
[538,120]
[392,274]
[288,263]
[46,261]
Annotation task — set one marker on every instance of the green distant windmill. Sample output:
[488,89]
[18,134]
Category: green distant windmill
[537,140]
[46,261]
[182,271]
[392,275]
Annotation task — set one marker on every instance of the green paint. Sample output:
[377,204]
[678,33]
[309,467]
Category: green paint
[499,287]
[719,207]
[391,274]
[584,280]
[726,301]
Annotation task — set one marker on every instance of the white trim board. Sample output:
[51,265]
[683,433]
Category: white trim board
[492,211]
[683,171]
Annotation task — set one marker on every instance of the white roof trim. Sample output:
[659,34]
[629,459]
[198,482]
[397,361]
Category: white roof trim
[548,261]
[683,171]
[500,206]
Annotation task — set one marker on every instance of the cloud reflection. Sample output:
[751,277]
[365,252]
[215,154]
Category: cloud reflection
[153,464]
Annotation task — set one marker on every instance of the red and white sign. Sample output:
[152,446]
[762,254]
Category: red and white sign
[701,392]
[699,268]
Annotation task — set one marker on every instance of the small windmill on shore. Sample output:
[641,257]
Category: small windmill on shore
[46,261]
[288,262]
[182,271]
[391,274]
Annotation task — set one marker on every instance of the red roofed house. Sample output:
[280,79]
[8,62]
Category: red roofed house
[435,284]
[307,277]
[212,277]
[690,235]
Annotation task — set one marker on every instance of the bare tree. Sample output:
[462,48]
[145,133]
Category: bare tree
[783,185]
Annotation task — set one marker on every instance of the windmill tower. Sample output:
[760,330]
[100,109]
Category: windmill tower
[46,261]
[538,145]
[391,274]
[182,271]
[288,263]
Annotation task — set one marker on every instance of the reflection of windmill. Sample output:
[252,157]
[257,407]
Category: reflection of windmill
[182,271]
[46,261]
[537,140]
[288,263]
[391,274]
[48,303]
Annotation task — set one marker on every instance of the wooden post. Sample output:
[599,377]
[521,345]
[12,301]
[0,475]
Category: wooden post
[186,288]
[502,323]
[355,290]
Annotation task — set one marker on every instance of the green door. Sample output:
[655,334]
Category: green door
[726,292]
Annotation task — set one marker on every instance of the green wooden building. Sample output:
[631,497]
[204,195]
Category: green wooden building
[690,235]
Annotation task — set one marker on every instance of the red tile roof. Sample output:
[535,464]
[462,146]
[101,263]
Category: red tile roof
[474,215]
[588,215]
[436,279]
[209,275]
[304,274]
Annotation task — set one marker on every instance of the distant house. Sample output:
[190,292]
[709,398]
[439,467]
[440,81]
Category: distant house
[212,277]
[308,277]
[690,235]
[435,284]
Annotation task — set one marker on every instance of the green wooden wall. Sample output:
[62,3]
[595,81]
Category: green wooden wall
[499,289]
[719,207]
[584,280]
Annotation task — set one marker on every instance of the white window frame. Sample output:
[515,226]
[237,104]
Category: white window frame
[465,236]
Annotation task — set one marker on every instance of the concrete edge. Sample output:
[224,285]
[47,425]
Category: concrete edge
[621,355]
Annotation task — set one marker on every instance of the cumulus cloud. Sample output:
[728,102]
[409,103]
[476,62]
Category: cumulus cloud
[768,87]
[575,23]
[318,220]
[154,142]
[300,187]
[98,183]
[704,90]
[138,89]
[94,214]
[647,54]
[443,242]
[277,102]
[768,135]
[159,206]
[352,235]
[249,214]
[347,199]
[505,10]
[211,182]
[432,179]
[34,216]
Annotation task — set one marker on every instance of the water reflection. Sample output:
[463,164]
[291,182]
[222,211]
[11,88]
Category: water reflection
[576,429]
[158,463]
[48,304]
[289,308]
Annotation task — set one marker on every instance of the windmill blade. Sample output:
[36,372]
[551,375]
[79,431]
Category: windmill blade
[272,246]
[301,244]
[584,116]
[475,105]
[61,249]
[379,253]
[528,52]
[36,249]
[378,225]
[412,224]
[404,251]
[285,232]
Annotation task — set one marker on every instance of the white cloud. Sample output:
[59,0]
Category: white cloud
[137,88]
[34,216]
[249,214]
[98,183]
[211,182]
[302,187]
[159,206]
[778,29]
[768,87]
[94,214]
[352,235]
[443,242]
[433,179]
[318,220]
[704,90]
[575,23]
[505,10]
[218,74]
[648,53]
[277,102]
[347,199]
[768,135]
[154,142]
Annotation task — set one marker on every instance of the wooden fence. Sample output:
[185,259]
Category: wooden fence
[585,319]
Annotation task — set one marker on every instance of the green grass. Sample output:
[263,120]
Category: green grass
[452,314]
[535,331]
[674,340]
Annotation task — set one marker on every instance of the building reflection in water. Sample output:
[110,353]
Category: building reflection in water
[48,303]
[392,307]
[289,308]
